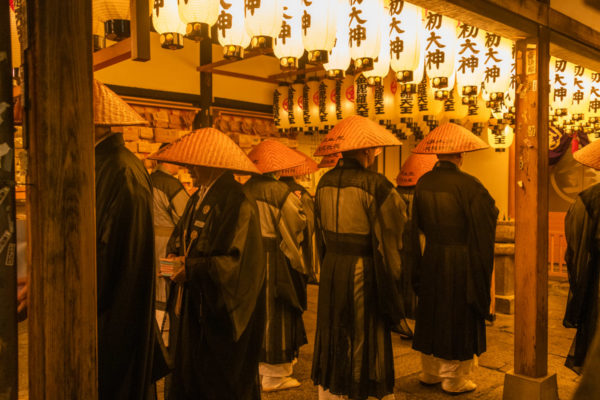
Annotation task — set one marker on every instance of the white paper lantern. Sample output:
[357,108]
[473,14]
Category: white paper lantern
[406,40]
[594,105]
[347,95]
[296,98]
[440,51]
[363,97]
[455,110]
[263,21]
[365,32]
[339,57]
[231,29]
[166,21]
[429,108]
[280,112]
[288,44]
[470,52]
[498,64]
[115,15]
[332,98]
[326,104]
[580,99]
[310,106]
[381,66]
[500,137]
[198,15]
[319,28]
[561,85]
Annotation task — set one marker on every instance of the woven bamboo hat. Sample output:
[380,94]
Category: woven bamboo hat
[330,161]
[449,138]
[206,147]
[414,168]
[271,155]
[355,133]
[111,110]
[307,167]
[589,155]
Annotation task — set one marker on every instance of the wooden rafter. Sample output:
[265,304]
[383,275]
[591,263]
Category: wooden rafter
[302,71]
[244,76]
[111,55]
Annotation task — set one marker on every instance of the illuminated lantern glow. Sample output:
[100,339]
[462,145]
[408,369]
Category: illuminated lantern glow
[347,98]
[198,15]
[440,53]
[319,28]
[326,104]
[165,18]
[406,40]
[288,43]
[509,99]
[478,115]
[498,62]
[455,110]
[500,137]
[364,33]
[332,99]
[296,97]
[115,15]
[339,57]
[280,108]
[263,21]
[561,87]
[381,66]
[470,51]
[362,96]
[580,98]
[310,107]
[231,30]
[429,109]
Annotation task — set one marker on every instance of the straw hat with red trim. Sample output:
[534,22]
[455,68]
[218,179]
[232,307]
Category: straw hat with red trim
[206,147]
[271,156]
[589,155]
[449,138]
[355,133]
[111,110]
[308,167]
[414,168]
[330,161]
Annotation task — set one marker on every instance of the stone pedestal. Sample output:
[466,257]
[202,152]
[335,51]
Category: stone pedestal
[504,267]
[520,387]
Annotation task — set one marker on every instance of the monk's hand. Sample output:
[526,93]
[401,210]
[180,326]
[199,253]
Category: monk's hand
[179,275]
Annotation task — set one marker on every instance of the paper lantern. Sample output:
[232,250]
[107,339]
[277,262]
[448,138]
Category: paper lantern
[594,105]
[296,98]
[364,32]
[339,57]
[429,108]
[478,115]
[455,110]
[280,107]
[333,91]
[440,52]
[288,44]
[319,28]
[115,15]
[500,137]
[580,98]
[406,39]
[363,96]
[198,15]
[165,18]
[347,98]
[381,66]
[231,29]
[310,106]
[263,21]
[498,63]
[470,52]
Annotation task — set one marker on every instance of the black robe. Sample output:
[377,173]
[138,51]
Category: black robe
[359,224]
[282,223]
[216,341]
[453,276]
[582,232]
[125,269]
[309,250]
[408,258]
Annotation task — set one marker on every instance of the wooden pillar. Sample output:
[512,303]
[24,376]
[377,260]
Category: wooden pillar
[62,313]
[203,118]
[8,265]
[531,224]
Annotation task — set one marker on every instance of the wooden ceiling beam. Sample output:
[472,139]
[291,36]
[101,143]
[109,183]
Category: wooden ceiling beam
[244,76]
[116,53]
[302,71]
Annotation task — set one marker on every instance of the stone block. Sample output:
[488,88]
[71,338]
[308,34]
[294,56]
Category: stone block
[505,304]
[504,267]
[519,387]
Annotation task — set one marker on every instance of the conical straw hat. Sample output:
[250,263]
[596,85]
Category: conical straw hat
[330,161]
[355,133]
[271,155]
[414,168]
[449,138]
[589,155]
[307,167]
[206,147]
[111,110]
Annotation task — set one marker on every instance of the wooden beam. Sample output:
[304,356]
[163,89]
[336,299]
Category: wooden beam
[62,272]
[8,269]
[300,71]
[531,206]
[111,55]
[244,76]
[225,61]
[203,117]
[140,30]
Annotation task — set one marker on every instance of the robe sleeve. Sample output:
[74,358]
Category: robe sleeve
[416,252]
[239,271]
[178,204]
[174,244]
[483,216]
[578,232]
[291,225]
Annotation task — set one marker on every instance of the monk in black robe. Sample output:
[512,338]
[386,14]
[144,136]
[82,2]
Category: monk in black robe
[452,278]
[216,340]
[582,232]
[125,268]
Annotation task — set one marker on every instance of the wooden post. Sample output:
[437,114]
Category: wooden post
[140,30]
[203,118]
[531,223]
[8,272]
[62,313]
